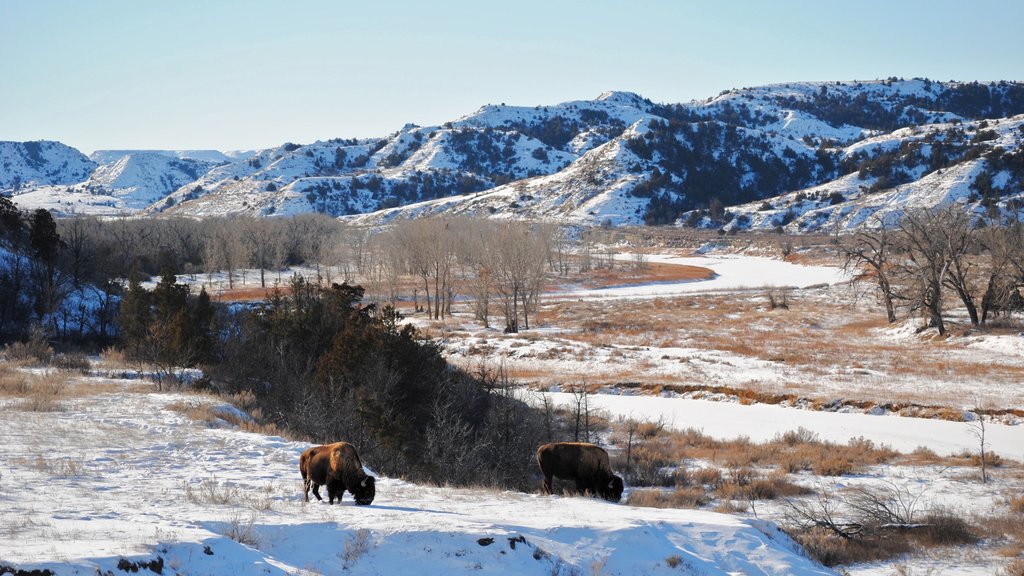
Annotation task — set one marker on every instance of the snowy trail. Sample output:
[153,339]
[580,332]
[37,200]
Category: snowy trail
[118,475]
[760,422]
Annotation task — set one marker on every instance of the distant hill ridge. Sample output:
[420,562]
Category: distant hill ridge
[803,156]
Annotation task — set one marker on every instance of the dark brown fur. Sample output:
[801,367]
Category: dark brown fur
[585,464]
[338,467]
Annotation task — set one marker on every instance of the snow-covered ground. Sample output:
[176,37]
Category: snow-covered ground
[732,272]
[117,475]
[114,474]
[761,422]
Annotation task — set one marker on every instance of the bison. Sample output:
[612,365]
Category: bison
[338,467]
[586,464]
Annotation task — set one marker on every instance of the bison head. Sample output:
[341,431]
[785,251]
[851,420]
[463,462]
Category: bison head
[364,491]
[611,489]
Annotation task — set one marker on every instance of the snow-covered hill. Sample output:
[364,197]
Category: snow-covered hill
[141,178]
[27,164]
[118,478]
[822,154]
[214,156]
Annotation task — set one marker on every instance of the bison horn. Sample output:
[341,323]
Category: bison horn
[611,484]
[363,483]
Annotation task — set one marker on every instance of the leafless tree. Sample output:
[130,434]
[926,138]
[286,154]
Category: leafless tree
[885,505]
[869,258]
[223,249]
[520,272]
[978,430]
[926,266]
[580,411]
[961,234]
[824,510]
[1004,267]
[259,238]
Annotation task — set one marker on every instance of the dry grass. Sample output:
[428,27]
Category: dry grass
[1016,505]
[823,333]
[39,392]
[243,531]
[651,272]
[693,497]
[212,492]
[788,453]
[205,411]
[1014,568]
[356,546]
[831,550]
[60,467]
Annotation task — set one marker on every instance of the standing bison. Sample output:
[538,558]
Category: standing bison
[586,464]
[338,467]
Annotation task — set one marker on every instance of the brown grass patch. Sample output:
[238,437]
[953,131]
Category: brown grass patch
[626,274]
[206,412]
[250,294]
[677,498]
[40,392]
[831,550]
[1016,504]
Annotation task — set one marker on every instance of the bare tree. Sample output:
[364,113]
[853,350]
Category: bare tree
[885,505]
[868,257]
[478,255]
[223,249]
[1004,267]
[978,430]
[259,238]
[927,262]
[961,234]
[824,510]
[580,411]
[520,272]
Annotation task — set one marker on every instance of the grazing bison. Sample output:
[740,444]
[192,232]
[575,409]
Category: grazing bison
[586,464]
[338,467]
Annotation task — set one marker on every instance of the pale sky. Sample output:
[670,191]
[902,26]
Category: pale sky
[237,74]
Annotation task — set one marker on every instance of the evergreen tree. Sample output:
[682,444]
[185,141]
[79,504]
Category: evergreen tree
[43,236]
[10,220]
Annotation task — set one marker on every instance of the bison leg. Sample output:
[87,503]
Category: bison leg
[546,485]
[305,489]
[582,486]
[316,491]
[335,490]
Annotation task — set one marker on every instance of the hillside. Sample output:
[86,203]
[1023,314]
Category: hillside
[27,164]
[824,155]
[201,496]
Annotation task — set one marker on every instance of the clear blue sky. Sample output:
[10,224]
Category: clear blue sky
[235,74]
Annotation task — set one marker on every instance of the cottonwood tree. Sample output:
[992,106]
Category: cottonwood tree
[407,238]
[869,258]
[961,235]
[261,244]
[185,238]
[223,249]
[1004,267]
[926,266]
[520,272]
[479,255]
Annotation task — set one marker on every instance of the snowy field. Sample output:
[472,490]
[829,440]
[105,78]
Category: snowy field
[117,477]
[761,422]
